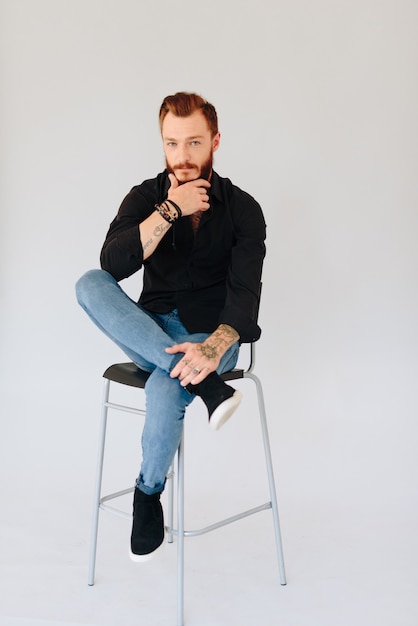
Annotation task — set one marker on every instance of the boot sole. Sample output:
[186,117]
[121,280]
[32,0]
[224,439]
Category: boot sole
[223,412]
[143,558]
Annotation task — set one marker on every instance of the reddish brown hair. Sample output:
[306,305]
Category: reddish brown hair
[184,104]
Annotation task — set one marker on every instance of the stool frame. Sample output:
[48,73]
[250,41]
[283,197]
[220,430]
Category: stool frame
[129,374]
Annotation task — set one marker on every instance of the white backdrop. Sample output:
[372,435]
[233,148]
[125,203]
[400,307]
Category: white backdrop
[317,104]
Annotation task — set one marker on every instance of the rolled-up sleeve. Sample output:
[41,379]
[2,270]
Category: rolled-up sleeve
[245,270]
[122,253]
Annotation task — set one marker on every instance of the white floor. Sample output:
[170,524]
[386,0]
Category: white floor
[343,570]
[348,516]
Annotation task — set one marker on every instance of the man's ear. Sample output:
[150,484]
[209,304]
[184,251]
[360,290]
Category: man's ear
[216,141]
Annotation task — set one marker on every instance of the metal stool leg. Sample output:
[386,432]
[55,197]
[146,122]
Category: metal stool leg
[98,487]
[180,533]
[270,474]
[170,497]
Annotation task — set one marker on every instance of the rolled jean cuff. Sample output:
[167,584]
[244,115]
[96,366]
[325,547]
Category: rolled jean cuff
[149,491]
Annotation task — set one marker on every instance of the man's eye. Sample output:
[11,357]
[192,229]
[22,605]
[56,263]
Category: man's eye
[195,143]
[171,144]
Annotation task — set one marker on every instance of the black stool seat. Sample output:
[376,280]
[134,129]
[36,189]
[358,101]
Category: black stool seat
[131,375]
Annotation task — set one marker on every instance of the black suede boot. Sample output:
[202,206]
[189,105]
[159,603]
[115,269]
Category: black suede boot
[221,400]
[148,526]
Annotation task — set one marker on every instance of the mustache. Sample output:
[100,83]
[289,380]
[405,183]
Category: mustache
[181,166]
[205,168]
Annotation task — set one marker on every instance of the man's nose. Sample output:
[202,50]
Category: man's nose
[184,153]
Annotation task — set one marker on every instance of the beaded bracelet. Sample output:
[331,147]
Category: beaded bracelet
[165,213]
[176,206]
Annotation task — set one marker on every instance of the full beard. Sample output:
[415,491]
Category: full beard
[205,169]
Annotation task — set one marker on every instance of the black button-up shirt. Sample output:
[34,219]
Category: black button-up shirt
[211,277]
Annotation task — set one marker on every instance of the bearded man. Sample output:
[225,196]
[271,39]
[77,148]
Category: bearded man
[200,242]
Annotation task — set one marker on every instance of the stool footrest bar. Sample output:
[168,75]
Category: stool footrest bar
[117,494]
[126,409]
[114,511]
[225,522]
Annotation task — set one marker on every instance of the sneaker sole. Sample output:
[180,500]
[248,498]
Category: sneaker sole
[143,558]
[223,412]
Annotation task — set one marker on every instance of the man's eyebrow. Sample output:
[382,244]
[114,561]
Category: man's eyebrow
[187,138]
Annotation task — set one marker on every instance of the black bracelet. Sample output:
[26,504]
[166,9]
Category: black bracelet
[165,213]
[176,206]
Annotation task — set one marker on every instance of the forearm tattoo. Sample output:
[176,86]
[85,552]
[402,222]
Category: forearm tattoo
[229,332]
[161,229]
[147,244]
[158,232]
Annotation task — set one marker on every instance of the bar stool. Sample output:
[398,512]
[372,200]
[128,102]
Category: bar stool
[129,374]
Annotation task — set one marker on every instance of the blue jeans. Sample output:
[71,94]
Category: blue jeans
[143,337]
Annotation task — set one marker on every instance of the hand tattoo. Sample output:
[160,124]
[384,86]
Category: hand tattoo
[209,352]
[219,342]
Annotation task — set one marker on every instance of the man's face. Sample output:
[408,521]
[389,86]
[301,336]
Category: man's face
[188,146]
